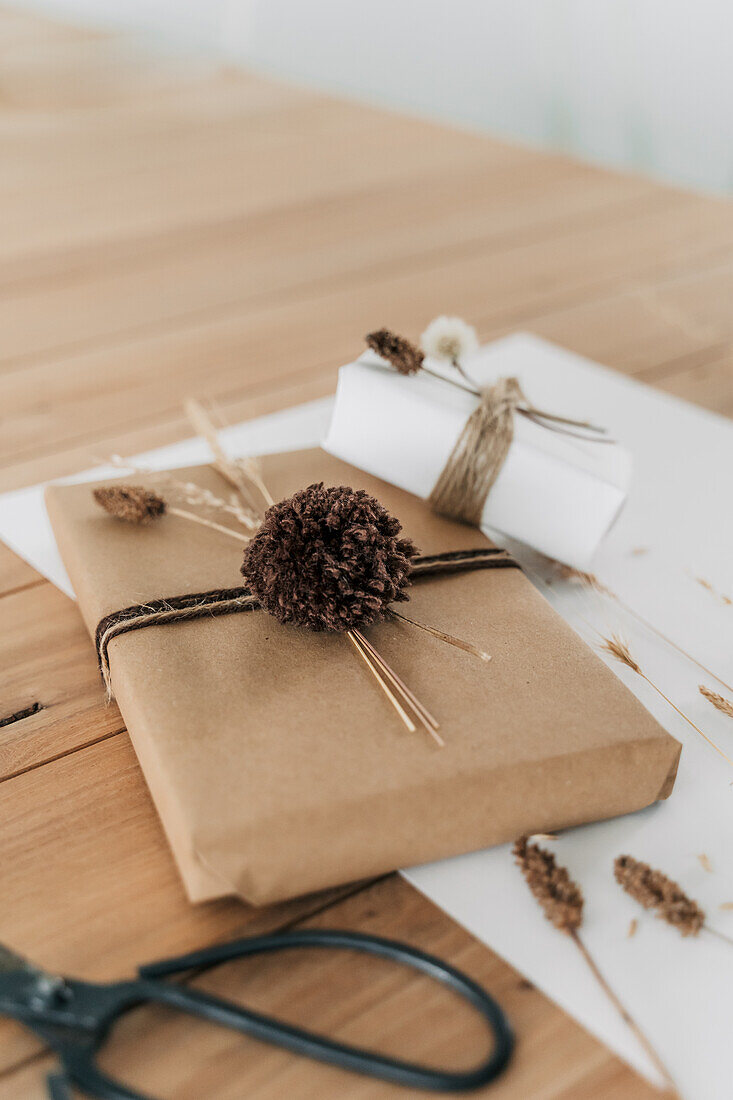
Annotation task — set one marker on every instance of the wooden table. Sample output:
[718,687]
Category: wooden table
[172,227]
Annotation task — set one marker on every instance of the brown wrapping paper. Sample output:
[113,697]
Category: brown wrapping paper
[275,763]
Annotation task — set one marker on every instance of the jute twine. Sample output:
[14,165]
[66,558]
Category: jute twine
[479,454]
[233,601]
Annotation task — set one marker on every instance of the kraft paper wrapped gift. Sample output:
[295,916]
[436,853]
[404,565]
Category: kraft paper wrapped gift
[276,764]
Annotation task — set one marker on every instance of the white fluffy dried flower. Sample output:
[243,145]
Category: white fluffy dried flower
[449,338]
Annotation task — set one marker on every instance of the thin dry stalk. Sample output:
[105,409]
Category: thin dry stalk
[719,701]
[352,636]
[671,1088]
[409,701]
[562,902]
[193,518]
[618,648]
[567,572]
[241,473]
[718,935]
[137,505]
[408,360]
[467,647]
[409,696]
[457,365]
[714,592]
[189,493]
[250,467]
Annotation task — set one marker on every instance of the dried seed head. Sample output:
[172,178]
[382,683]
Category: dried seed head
[618,648]
[328,559]
[404,356]
[449,338]
[131,503]
[719,701]
[560,897]
[654,890]
[580,576]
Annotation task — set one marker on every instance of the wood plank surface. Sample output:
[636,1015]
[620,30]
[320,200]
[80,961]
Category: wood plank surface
[172,226]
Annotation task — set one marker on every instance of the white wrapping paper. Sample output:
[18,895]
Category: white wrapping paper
[556,493]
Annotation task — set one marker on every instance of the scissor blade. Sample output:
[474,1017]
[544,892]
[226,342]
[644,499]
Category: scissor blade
[10,962]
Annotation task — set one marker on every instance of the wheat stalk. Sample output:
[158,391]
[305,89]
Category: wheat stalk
[567,572]
[719,701]
[619,649]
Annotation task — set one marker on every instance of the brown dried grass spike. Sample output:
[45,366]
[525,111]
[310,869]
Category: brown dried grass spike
[403,355]
[131,503]
[618,648]
[653,890]
[719,701]
[560,897]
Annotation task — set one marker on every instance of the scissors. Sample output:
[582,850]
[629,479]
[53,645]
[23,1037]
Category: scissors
[74,1018]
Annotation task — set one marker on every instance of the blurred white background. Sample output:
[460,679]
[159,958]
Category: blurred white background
[640,84]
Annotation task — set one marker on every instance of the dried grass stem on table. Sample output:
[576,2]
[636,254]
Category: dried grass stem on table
[619,649]
[569,572]
[719,701]
[561,900]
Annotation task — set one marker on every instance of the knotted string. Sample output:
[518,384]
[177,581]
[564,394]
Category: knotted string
[481,449]
[232,601]
[479,454]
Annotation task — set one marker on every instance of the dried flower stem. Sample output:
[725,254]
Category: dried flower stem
[719,701]
[626,1016]
[718,935]
[449,638]
[618,648]
[233,470]
[190,493]
[562,902]
[590,579]
[354,639]
[207,523]
[423,713]
[456,364]
[402,699]
[408,698]
[528,411]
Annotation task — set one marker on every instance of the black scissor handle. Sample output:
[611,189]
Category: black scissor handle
[321,1048]
[80,1062]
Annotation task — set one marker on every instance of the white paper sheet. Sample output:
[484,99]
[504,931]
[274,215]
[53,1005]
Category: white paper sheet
[403,430]
[681,991]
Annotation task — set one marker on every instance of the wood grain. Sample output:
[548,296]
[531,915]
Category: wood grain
[172,226]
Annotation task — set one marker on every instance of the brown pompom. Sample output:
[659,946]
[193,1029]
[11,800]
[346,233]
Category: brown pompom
[560,897]
[654,890]
[328,559]
[404,356]
[131,503]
